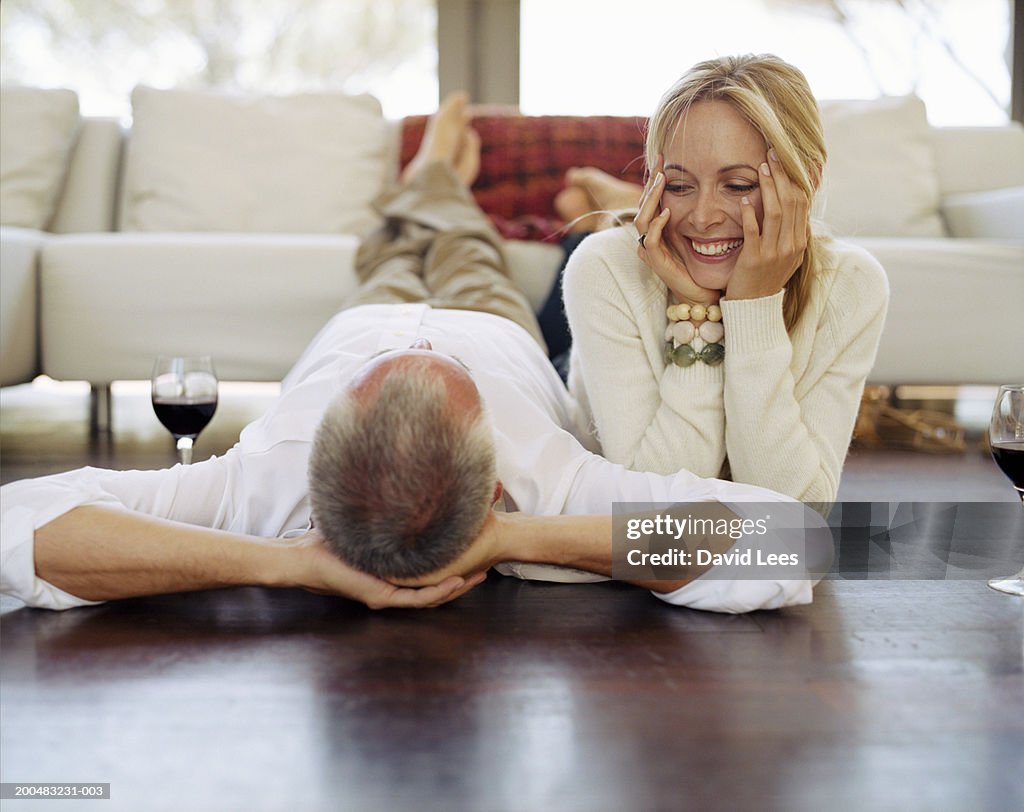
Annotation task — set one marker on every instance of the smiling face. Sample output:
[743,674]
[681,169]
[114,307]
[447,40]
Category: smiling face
[712,161]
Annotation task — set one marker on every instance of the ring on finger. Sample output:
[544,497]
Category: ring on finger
[641,240]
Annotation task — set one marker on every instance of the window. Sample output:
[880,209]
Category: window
[577,56]
[103,49]
[583,57]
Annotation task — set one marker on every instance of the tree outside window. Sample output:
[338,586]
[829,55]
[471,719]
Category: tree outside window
[103,49]
[583,57]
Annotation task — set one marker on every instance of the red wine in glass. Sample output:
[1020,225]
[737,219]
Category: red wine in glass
[184,394]
[184,418]
[1006,437]
[1010,459]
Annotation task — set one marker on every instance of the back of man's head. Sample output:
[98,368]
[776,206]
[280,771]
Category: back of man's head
[400,479]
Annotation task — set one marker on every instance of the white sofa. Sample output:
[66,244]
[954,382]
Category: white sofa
[119,271]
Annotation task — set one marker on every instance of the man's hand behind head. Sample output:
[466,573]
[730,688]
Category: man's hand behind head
[480,556]
[319,570]
[401,475]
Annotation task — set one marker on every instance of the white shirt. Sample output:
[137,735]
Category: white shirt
[259,486]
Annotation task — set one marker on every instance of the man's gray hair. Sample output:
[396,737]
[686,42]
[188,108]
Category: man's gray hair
[400,482]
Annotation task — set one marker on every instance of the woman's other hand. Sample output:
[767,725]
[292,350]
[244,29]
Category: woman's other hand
[772,253]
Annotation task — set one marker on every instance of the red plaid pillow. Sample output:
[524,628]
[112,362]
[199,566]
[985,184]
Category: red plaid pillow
[524,160]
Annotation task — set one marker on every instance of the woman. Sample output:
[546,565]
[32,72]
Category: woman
[721,332]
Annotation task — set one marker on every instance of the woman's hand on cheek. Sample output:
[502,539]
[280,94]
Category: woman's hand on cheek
[772,253]
[655,251]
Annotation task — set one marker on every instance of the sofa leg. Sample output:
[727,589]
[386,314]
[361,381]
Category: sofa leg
[99,410]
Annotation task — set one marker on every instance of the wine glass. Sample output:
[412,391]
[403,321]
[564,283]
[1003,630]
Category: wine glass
[184,398]
[1006,436]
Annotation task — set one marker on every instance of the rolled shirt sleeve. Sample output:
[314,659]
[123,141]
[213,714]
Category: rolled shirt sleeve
[737,597]
[584,483]
[192,494]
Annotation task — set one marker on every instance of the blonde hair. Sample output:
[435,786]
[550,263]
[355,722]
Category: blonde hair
[776,99]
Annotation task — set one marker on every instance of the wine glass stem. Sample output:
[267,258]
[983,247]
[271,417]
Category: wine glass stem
[185,450]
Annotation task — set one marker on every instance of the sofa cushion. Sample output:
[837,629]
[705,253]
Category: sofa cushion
[37,131]
[994,215]
[19,295]
[881,177]
[203,161]
[923,341]
[524,159]
[89,199]
[977,159]
[263,298]
[533,266]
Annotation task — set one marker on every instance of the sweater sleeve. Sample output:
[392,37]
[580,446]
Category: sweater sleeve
[791,433]
[781,407]
[648,416]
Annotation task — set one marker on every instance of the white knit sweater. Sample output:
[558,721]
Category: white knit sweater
[781,407]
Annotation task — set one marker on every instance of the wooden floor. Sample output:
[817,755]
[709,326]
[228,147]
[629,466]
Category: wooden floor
[881,695]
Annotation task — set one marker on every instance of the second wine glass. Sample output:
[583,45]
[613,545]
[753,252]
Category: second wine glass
[1006,436]
[184,394]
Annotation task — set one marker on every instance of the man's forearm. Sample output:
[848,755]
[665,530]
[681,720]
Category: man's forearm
[102,553]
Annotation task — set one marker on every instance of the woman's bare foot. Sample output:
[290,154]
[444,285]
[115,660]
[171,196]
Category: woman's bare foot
[445,139]
[578,210]
[605,191]
[591,195]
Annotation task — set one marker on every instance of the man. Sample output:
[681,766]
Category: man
[411,420]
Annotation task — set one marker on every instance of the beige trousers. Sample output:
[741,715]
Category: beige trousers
[436,246]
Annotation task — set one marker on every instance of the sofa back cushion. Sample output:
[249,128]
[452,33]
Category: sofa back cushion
[37,132]
[204,161]
[881,177]
[979,159]
[88,201]
[524,159]
[994,215]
